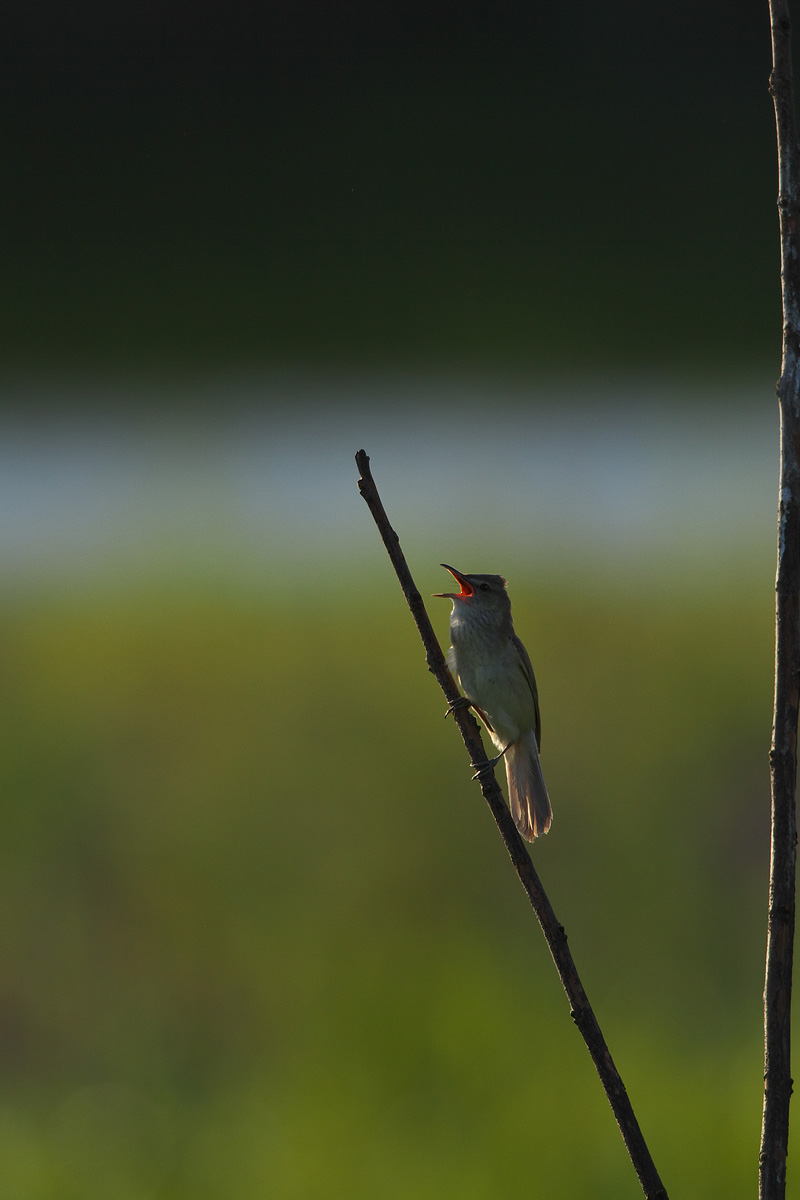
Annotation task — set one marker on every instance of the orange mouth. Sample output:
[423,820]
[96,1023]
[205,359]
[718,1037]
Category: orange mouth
[466,587]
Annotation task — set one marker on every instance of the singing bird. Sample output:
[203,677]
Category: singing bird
[496,676]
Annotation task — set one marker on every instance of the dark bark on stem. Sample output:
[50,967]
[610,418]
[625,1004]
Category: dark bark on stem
[580,1008]
[783,753]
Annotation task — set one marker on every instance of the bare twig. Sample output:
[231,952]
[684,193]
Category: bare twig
[783,753]
[556,938]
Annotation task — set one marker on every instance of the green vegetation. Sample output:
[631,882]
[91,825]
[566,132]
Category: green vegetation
[260,938]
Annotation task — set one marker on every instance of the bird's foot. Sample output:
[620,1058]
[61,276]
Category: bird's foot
[460,702]
[489,765]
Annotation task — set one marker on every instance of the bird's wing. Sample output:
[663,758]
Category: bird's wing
[527,671]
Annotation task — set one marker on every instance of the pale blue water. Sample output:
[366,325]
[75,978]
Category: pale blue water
[491,478]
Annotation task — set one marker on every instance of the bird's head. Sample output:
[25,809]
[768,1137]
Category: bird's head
[484,592]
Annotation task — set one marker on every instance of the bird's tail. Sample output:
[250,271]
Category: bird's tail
[527,793]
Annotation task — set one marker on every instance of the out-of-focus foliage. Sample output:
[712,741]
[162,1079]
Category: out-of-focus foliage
[503,185]
[260,936]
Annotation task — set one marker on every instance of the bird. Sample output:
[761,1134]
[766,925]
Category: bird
[495,673]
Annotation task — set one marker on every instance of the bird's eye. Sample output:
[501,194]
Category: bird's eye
[484,587]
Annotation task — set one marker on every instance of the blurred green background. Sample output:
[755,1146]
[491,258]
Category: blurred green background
[260,936]
[478,184]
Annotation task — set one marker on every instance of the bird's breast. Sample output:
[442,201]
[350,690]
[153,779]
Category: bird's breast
[491,675]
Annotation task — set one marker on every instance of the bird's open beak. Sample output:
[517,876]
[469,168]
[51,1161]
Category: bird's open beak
[466,587]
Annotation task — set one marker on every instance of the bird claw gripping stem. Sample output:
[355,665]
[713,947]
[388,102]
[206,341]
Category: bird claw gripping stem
[459,702]
[489,765]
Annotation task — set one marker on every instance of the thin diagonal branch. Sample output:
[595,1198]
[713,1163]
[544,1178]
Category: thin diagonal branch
[783,753]
[580,1008]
